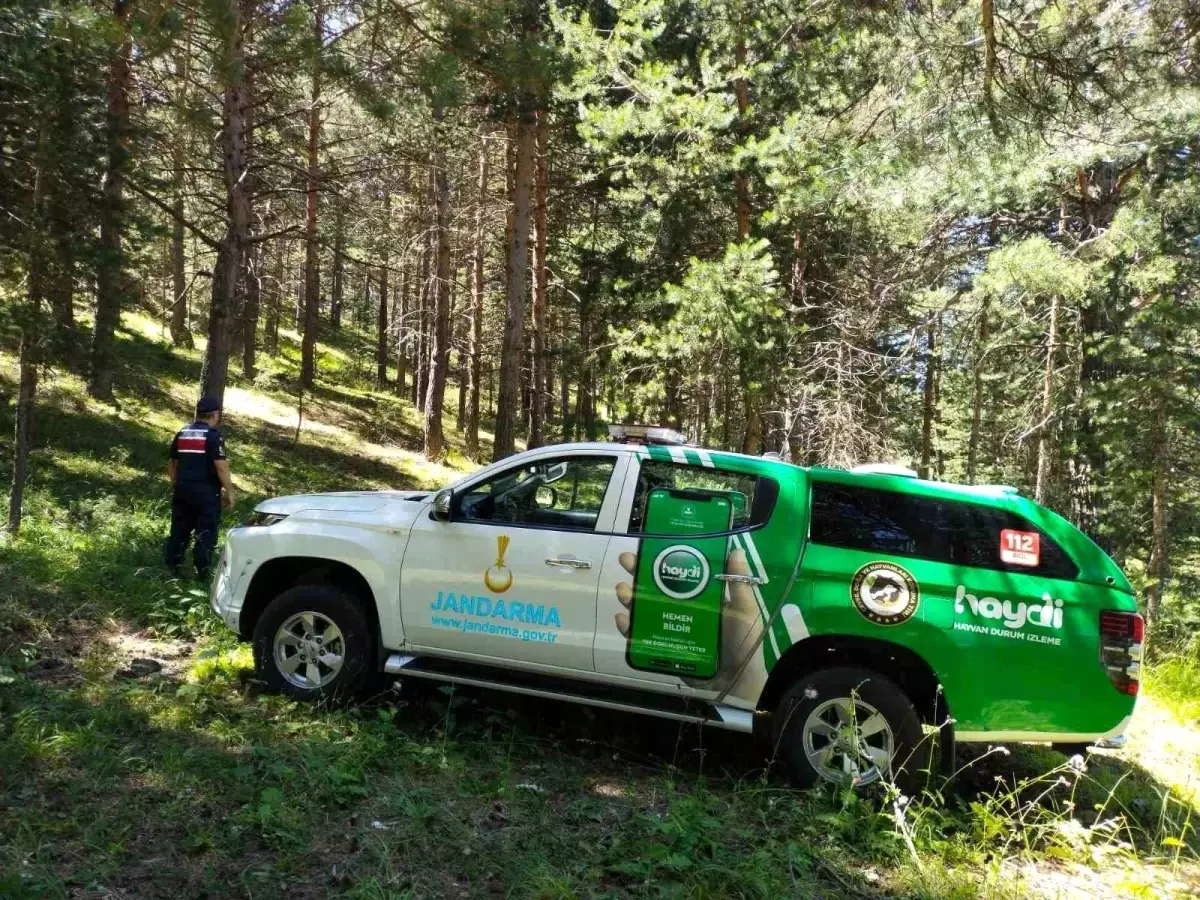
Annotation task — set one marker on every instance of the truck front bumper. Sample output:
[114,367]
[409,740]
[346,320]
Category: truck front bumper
[223,595]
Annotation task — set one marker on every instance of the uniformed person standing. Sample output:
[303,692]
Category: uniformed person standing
[200,472]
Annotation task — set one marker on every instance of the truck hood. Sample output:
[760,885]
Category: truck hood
[342,501]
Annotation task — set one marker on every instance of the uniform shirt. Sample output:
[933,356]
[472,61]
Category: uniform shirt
[195,448]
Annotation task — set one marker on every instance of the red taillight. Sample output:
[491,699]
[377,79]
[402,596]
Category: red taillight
[1121,636]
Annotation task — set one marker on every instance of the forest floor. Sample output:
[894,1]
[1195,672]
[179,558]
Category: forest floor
[138,758]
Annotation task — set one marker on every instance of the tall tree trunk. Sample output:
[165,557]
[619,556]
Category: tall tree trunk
[393,335]
[741,179]
[751,390]
[215,370]
[458,330]
[929,401]
[541,244]
[312,289]
[509,400]
[367,304]
[987,14]
[381,320]
[526,354]
[1158,568]
[977,394]
[564,401]
[424,302]
[751,404]
[439,353]
[62,296]
[26,397]
[110,268]
[799,267]
[181,335]
[298,305]
[274,302]
[252,275]
[478,294]
[62,213]
[401,330]
[251,297]
[27,360]
[1044,445]
[585,398]
[337,288]
[726,408]
[551,357]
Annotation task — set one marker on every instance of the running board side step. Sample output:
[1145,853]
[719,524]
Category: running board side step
[663,706]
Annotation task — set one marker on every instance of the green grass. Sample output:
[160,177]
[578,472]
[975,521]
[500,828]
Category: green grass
[1174,680]
[191,783]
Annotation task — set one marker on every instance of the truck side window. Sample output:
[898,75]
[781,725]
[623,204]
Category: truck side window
[960,533]
[754,496]
[562,493]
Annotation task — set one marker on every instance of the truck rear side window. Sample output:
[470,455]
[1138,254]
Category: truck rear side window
[756,495]
[948,531]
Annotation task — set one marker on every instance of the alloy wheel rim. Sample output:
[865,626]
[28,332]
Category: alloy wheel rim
[309,650]
[848,742]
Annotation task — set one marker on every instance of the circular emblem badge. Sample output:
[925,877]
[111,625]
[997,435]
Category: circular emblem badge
[884,593]
[681,572]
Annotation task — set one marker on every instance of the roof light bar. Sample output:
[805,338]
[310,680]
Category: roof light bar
[645,434]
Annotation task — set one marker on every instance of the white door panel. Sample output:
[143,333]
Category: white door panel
[543,614]
[505,590]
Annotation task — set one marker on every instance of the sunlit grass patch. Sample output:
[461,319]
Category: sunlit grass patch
[1173,680]
[222,662]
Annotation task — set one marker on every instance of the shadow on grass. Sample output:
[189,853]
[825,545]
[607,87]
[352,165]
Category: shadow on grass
[1028,788]
[157,789]
[1039,787]
[116,789]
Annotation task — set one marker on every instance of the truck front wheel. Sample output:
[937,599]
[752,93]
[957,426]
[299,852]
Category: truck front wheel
[849,727]
[313,642]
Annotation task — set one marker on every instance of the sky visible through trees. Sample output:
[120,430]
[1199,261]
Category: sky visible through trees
[962,237]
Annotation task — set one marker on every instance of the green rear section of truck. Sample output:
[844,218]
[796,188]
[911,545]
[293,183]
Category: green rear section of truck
[1015,652]
[997,678]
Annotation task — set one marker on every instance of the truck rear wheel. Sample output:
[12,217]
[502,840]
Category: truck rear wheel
[849,727]
[314,642]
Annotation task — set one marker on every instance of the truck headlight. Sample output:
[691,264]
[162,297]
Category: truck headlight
[263,519]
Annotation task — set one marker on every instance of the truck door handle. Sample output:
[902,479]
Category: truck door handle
[568,562]
[741,579]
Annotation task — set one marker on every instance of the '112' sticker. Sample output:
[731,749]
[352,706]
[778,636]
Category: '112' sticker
[1020,548]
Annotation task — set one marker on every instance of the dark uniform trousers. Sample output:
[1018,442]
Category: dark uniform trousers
[194,511]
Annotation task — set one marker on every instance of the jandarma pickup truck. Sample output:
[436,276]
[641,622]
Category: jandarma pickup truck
[842,616]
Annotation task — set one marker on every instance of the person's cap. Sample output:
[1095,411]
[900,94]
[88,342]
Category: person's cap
[207,406]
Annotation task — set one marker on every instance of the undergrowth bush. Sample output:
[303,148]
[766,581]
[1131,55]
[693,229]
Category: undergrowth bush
[1173,678]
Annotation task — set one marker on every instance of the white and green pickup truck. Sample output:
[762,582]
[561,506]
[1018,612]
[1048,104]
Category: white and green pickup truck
[841,615]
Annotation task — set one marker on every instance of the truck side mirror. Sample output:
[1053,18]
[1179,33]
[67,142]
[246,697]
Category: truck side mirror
[441,505]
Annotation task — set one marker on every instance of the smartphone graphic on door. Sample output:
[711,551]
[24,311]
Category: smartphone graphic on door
[677,598]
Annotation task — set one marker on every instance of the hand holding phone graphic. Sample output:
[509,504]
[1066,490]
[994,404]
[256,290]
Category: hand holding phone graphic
[679,618]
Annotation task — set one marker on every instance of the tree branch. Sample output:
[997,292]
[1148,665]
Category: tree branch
[194,229]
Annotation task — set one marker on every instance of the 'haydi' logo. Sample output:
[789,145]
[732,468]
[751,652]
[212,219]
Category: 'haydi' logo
[1047,614]
[681,572]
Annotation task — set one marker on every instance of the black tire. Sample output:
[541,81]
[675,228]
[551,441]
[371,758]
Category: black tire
[357,671]
[911,751]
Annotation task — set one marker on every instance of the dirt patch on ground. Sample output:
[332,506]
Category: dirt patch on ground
[130,645]
[1112,881]
[77,647]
